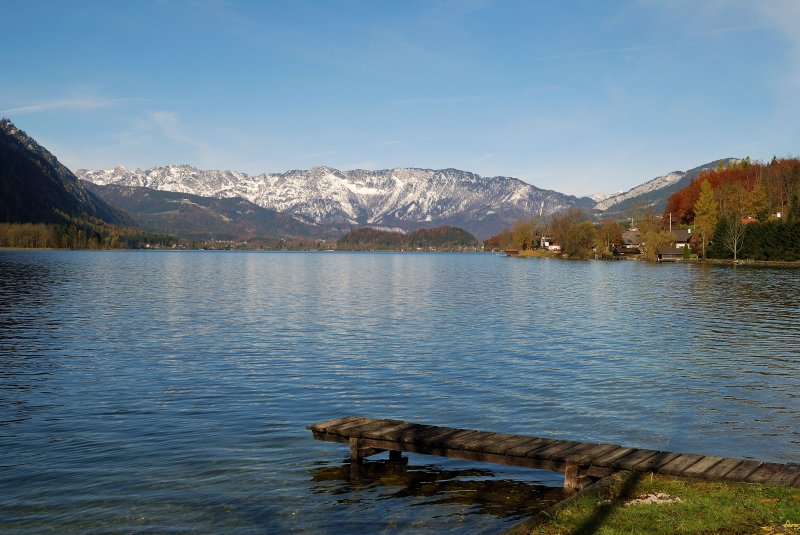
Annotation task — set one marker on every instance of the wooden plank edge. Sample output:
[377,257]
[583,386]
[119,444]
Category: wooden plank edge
[327,424]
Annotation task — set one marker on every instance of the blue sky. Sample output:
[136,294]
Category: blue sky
[575,96]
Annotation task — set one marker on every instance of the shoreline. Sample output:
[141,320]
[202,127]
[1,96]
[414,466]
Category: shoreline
[538,253]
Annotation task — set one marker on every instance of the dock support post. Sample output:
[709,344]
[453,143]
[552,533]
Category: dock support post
[571,477]
[395,456]
[356,452]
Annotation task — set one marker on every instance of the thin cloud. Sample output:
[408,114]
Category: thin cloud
[600,52]
[87,103]
[731,29]
[438,101]
[645,48]
[165,125]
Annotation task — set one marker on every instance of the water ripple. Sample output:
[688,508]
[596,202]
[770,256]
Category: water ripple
[166,391]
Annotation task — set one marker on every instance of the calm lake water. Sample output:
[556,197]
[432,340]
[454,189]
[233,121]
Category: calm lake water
[169,391]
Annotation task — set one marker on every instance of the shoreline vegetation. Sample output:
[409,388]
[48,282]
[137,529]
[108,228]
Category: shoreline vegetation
[629,502]
[106,237]
[741,211]
[541,253]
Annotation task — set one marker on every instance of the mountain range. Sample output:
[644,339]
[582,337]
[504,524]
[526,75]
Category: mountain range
[321,202]
[401,198]
[397,199]
[201,218]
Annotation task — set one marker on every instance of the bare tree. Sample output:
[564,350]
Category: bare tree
[733,238]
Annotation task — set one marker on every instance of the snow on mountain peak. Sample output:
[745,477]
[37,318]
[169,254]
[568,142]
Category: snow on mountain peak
[401,197]
[657,183]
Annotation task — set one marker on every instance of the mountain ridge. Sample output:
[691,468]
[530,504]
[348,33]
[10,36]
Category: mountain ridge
[194,217]
[406,198]
[655,192]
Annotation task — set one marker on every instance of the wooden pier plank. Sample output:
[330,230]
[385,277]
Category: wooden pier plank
[324,427]
[584,453]
[676,466]
[789,475]
[634,458]
[606,460]
[531,444]
[744,469]
[431,434]
[722,468]
[350,428]
[476,438]
[482,443]
[375,429]
[368,436]
[454,441]
[548,451]
[503,447]
[386,432]
[702,466]
[654,463]
[410,432]
[763,473]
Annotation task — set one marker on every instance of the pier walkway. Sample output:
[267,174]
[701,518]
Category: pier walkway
[580,461]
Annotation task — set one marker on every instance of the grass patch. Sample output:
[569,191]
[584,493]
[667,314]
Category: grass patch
[678,505]
[539,253]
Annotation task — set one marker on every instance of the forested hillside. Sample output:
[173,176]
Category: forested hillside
[745,211]
[440,238]
[36,188]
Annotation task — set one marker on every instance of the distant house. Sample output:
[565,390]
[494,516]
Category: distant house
[683,237]
[668,254]
[549,244]
[631,238]
[748,220]
[631,244]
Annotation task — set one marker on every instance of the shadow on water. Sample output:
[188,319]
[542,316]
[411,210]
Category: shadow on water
[429,484]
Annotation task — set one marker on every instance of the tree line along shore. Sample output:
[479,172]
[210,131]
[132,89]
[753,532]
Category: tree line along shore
[741,211]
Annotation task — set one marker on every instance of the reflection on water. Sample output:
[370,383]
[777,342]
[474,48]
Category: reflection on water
[165,391]
[476,491]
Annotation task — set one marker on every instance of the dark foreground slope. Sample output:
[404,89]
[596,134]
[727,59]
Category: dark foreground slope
[36,188]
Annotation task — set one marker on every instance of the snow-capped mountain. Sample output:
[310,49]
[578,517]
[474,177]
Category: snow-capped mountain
[651,185]
[599,196]
[654,193]
[406,198]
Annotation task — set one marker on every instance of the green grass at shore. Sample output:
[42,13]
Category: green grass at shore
[539,253]
[677,505]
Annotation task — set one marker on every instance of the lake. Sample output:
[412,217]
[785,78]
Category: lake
[158,391]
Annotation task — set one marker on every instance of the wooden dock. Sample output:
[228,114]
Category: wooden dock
[581,462]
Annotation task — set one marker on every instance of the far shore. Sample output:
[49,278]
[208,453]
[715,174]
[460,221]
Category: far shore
[541,253]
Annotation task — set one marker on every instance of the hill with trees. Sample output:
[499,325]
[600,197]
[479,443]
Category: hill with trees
[42,204]
[747,210]
[444,238]
[653,194]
